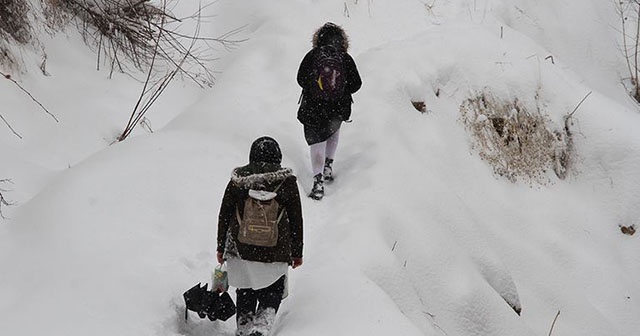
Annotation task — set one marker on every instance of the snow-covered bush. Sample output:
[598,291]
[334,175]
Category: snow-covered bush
[520,144]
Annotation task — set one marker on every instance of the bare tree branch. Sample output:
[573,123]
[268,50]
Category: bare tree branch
[629,13]
[636,42]
[554,323]
[621,12]
[10,127]
[130,123]
[6,76]
[580,103]
[157,88]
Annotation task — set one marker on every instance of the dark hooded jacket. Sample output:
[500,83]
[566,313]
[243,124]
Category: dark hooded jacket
[320,114]
[262,175]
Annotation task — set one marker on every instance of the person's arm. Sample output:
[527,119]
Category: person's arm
[294,213]
[227,209]
[304,71]
[354,82]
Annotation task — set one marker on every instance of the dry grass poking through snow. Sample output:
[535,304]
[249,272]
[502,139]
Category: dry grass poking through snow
[520,144]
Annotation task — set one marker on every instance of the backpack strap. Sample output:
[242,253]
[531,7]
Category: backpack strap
[238,216]
[281,210]
[280,216]
[279,185]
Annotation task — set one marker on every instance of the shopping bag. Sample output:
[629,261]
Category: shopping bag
[220,279]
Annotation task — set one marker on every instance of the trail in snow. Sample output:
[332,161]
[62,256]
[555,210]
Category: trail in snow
[415,237]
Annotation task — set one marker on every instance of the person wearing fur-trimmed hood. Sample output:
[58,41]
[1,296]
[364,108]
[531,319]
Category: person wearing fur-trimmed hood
[260,272]
[322,118]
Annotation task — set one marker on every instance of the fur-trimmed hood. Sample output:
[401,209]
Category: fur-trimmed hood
[330,33]
[244,179]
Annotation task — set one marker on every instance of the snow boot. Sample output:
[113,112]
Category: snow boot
[244,325]
[317,192]
[327,173]
[263,322]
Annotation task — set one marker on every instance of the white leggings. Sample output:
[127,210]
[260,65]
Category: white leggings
[323,150]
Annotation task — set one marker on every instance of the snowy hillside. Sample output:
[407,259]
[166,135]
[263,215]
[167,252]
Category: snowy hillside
[417,236]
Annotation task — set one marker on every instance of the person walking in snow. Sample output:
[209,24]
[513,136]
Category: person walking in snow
[328,76]
[260,235]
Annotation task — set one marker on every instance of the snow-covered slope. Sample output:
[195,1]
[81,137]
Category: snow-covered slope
[416,236]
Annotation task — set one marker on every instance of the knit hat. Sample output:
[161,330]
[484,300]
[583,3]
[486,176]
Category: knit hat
[265,149]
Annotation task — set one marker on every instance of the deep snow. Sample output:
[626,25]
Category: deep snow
[415,237]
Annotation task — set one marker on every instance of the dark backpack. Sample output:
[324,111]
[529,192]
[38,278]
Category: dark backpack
[328,75]
[259,220]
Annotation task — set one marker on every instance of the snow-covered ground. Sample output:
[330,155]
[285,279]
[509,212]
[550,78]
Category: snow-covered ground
[417,236]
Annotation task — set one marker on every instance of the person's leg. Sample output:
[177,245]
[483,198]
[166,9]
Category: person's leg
[317,165]
[246,302]
[270,297]
[269,300]
[332,146]
[318,154]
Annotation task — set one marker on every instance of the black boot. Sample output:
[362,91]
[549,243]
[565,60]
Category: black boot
[317,192]
[328,170]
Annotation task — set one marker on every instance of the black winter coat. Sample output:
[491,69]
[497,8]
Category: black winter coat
[320,114]
[255,176]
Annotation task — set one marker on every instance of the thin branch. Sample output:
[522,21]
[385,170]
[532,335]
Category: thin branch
[637,42]
[98,53]
[580,103]
[163,85]
[9,125]
[130,123]
[222,39]
[138,113]
[624,36]
[554,323]
[6,76]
